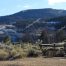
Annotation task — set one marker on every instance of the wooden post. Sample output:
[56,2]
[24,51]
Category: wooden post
[54,49]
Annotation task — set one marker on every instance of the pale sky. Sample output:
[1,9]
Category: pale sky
[8,7]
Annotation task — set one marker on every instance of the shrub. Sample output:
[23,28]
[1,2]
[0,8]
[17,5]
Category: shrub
[19,51]
[31,50]
[3,54]
[44,51]
[12,53]
[32,53]
[60,53]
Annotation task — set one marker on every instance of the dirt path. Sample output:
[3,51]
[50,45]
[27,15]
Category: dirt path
[35,62]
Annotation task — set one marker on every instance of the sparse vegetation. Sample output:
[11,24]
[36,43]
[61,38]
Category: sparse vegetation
[19,51]
[27,50]
[15,51]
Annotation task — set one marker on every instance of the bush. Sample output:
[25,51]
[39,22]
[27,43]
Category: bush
[31,50]
[3,54]
[49,52]
[19,50]
[60,53]
[44,51]
[12,53]
[32,53]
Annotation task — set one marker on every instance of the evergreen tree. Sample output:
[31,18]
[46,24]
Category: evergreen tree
[7,40]
[44,37]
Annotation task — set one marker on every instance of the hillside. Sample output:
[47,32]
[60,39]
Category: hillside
[61,19]
[32,22]
[32,14]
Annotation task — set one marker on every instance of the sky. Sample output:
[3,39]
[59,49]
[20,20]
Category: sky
[8,7]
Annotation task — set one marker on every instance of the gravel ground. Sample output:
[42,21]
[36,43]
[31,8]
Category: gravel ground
[35,62]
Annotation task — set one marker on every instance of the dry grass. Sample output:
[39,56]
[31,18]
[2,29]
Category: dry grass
[35,62]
